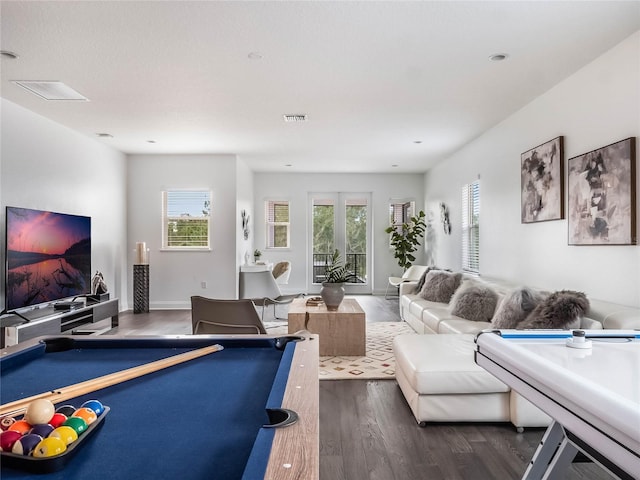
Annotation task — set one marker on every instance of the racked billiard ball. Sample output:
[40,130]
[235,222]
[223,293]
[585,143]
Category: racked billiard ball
[20,426]
[39,411]
[94,405]
[57,419]
[42,429]
[77,423]
[26,444]
[65,433]
[66,410]
[6,422]
[87,414]
[7,439]
[49,447]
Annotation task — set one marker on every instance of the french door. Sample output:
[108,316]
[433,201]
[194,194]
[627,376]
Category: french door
[342,221]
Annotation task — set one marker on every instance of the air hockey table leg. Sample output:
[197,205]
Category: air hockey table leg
[545,452]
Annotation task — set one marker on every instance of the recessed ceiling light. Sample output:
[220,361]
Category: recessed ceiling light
[417,141]
[8,54]
[295,117]
[254,56]
[498,57]
[51,90]
[289,165]
[104,135]
[394,165]
[151,141]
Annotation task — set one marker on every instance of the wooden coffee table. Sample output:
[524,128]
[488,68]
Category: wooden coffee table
[342,333]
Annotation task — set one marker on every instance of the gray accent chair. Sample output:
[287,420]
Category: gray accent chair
[212,316]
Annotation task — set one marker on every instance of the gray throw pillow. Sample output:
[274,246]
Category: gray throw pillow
[440,285]
[515,307]
[474,301]
[559,310]
[420,283]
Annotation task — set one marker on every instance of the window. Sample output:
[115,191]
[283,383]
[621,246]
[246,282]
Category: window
[471,227]
[277,215]
[186,216]
[400,212]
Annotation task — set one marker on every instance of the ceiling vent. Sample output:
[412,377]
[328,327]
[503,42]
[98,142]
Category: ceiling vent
[295,117]
[51,90]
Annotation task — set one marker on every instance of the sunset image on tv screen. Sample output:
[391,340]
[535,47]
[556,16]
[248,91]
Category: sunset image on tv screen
[48,256]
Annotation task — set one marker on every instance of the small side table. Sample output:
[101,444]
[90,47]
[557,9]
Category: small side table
[141,288]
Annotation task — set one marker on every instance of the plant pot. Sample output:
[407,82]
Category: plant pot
[332,294]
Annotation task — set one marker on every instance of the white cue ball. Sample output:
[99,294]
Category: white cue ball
[39,411]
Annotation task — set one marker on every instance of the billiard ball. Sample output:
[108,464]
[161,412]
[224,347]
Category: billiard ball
[20,426]
[39,411]
[7,439]
[67,434]
[77,423]
[48,447]
[26,444]
[42,429]
[94,405]
[57,419]
[6,422]
[66,410]
[87,414]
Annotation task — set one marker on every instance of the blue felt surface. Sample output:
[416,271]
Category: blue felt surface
[195,420]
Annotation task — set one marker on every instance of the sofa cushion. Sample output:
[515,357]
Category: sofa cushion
[515,307]
[440,285]
[431,317]
[460,325]
[474,301]
[562,309]
[443,364]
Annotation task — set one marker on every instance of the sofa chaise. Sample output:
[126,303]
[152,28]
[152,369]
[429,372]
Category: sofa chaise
[435,367]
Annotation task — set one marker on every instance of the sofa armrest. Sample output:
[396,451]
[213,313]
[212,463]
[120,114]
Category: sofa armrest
[408,288]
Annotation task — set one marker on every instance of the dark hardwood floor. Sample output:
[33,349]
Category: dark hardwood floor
[367,431]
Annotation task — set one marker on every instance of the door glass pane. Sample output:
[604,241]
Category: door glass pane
[323,236]
[356,238]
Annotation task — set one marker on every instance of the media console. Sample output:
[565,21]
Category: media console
[50,321]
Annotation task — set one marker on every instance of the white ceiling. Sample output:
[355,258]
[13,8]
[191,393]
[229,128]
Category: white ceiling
[374,77]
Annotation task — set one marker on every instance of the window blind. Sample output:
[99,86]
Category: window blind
[186,219]
[277,216]
[471,227]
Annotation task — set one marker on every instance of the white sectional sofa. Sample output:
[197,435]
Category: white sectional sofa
[436,371]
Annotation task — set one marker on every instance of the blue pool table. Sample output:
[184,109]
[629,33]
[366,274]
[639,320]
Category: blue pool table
[203,419]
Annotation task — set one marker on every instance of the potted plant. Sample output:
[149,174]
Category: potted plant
[406,238]
[256,255]
[337,273]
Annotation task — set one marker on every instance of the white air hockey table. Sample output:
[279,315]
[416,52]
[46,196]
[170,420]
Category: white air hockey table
[592,393]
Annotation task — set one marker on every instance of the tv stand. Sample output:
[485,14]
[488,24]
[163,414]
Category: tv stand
[18,327]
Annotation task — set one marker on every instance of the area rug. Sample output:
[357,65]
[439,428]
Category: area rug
[379,363]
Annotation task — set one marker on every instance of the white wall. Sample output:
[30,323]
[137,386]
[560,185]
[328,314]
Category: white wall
[244,201]
[47,166]
[597,106]
[177,275]
[296,187]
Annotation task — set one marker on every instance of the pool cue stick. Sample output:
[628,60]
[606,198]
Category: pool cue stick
[58,395]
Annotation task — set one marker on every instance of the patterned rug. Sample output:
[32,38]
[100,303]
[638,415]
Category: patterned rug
[379,363]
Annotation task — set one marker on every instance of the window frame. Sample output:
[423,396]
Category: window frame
[408,207]
[271,224]
[471,227]
[167,218]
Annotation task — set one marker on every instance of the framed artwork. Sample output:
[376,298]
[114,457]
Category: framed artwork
[542,182]
[602,196]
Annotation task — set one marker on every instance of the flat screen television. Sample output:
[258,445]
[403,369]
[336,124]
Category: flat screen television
[48,257]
